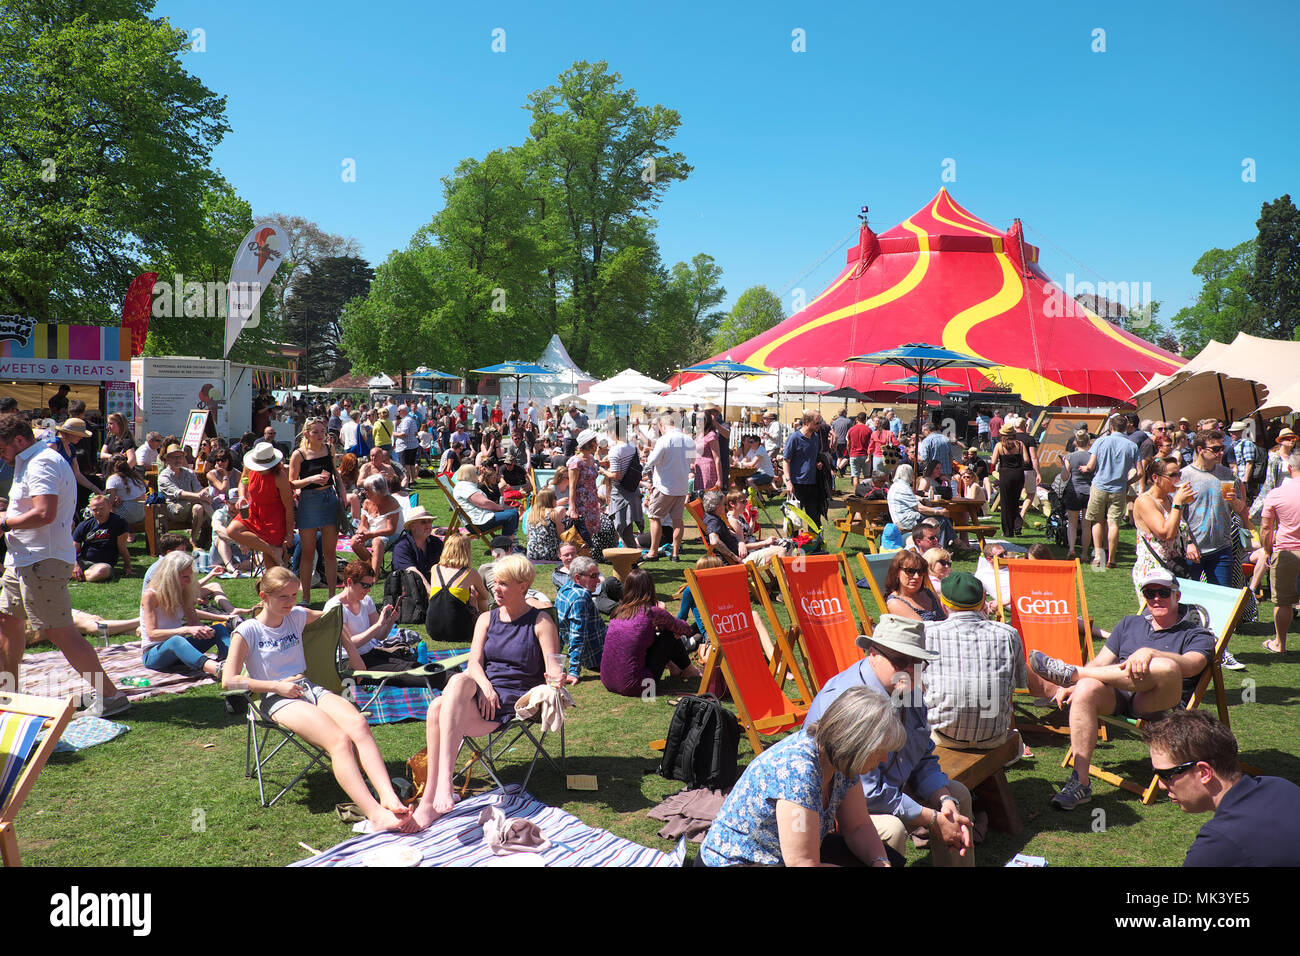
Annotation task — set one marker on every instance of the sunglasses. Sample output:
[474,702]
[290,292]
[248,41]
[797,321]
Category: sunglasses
[944,562]
[1168,773]
[1174,476]
[1150,593]
[911,570]
[1214,449]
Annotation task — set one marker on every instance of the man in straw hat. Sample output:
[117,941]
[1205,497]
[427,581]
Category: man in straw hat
[187,498]
[38,564]
[910,789]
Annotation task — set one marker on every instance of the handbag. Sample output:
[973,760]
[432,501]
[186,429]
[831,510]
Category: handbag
[572,535]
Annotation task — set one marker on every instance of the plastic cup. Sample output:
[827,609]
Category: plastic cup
[1229,489]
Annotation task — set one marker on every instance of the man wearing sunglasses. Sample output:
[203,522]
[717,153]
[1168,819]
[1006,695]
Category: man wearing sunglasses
[1256,819]
[1150,664]
[1207,514]
[909,789]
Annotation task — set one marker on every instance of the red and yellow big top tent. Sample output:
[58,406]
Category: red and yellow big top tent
[945,277]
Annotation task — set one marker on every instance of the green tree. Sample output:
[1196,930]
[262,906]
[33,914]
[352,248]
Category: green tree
[105,142]
[1223,306]
[600,162]
[312,315]
[757,310]
[683,319]
[1274,285]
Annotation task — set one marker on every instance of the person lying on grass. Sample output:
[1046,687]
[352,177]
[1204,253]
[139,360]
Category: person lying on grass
[270,646]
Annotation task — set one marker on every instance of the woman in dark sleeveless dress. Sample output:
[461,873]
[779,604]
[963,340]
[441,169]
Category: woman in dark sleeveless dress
[1009,462]
[515,649]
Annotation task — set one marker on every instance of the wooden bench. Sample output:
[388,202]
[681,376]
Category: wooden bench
[866,517]
[981,772]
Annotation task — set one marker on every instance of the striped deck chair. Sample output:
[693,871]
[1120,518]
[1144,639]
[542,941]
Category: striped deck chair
[21,719]
[821,610]
[722,595]
[458,515]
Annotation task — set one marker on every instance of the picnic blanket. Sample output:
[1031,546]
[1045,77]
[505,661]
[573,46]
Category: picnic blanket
[395,704]
[48,674]
[457,839]
[86,731]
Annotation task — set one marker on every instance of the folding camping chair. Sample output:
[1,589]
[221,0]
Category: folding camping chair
[722,595]
[492,749]
[821,615]
[22,718]
[458,514]
[320,644]
[1225,607]
[432,675]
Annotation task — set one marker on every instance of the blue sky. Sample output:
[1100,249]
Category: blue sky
[1124,165]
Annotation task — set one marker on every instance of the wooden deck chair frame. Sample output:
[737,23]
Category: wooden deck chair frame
[696,510]
[1213,672]
[1086,652]
[458,514]
[55,715]
[320,641]
[793,715]
[797,636]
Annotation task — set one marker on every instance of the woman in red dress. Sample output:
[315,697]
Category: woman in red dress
[266,524]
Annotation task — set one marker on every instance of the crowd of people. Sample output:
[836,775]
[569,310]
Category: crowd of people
[862,773]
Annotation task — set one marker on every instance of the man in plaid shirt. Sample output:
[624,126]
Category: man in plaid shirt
[968,689]
[1245,452]
[581,625]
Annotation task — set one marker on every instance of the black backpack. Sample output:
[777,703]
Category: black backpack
[703,741]
[1258,467]
[405,591]
[631,479]
[448,619]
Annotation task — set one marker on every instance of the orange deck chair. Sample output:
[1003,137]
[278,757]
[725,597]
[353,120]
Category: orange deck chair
[722,595]
[696,510]
[1047,602]
[821,611]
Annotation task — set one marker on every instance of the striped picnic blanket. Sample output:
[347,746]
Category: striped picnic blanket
[457,839]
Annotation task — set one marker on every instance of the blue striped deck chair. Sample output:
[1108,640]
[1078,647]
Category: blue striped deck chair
[22,717]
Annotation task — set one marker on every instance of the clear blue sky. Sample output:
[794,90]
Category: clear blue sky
[1124,165]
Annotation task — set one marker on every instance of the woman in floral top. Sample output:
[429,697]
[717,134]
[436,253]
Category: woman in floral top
[792,794]
[584,502]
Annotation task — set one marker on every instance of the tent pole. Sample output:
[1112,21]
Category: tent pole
[1162,403]
[1227,419]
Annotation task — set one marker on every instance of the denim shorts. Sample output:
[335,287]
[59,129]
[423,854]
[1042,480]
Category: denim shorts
[317,508]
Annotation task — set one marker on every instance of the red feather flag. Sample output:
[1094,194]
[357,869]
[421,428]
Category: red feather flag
[136,309]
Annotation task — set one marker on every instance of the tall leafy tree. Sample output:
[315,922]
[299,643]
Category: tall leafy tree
[600,161]
[1274,285]
[105,142]
[312,315]
[1223,306]
[757,310]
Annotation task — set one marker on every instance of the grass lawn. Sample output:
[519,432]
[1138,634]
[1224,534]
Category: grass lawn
[173,792]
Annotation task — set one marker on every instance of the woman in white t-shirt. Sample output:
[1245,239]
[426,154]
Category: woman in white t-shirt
[364,626]
[127,490]
[270,647]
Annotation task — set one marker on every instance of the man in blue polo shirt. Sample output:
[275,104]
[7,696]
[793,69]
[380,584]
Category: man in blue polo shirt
[803,464]
[1256,820]
[909,789]
[1151,662]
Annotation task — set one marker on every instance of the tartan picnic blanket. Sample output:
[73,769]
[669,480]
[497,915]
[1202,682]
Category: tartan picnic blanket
[457,840]
[395,704]
[48,674]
